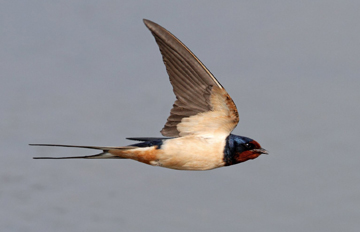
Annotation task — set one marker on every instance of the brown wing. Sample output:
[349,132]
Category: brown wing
[202,105]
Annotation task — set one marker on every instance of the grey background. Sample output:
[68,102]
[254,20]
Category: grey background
[90,73]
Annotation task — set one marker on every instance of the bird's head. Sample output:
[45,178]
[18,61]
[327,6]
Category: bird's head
[240,149]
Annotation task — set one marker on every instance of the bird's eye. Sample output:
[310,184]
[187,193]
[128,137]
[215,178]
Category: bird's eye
[249,146]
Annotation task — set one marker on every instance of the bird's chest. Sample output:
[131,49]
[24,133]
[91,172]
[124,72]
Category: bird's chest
[192,153]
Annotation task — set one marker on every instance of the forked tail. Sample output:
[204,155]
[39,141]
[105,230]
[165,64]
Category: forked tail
[103,155]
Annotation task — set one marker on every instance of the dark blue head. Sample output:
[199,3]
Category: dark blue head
[240,149]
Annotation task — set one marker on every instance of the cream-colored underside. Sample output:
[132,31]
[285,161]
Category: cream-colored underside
[191,153]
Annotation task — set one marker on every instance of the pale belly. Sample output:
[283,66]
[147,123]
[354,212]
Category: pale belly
[191,153]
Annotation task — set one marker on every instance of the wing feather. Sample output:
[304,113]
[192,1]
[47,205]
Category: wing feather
[202,105]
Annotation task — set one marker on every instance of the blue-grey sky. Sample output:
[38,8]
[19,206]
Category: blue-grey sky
[90,73]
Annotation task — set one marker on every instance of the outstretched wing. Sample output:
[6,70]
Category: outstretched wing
[202,105]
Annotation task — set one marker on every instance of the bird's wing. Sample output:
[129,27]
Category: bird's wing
[144,139]
[202,105]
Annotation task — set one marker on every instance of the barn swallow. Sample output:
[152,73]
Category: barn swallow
[197,134]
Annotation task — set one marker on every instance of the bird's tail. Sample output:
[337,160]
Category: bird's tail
[103,155]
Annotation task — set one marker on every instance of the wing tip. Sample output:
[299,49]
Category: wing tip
[159,31]
[150,24]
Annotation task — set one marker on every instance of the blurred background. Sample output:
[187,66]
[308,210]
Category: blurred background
[90,73]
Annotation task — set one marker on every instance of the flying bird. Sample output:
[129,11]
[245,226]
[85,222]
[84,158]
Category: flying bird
[197,134]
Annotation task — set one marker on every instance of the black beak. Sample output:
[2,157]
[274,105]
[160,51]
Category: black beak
[261,151]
